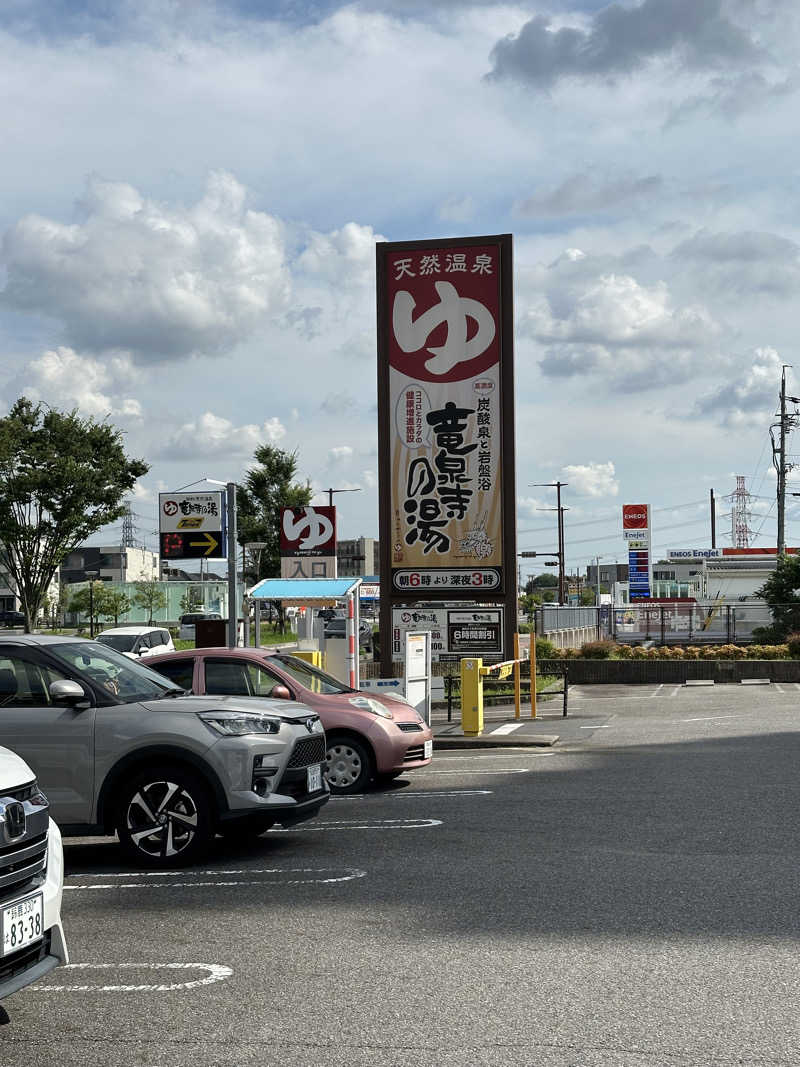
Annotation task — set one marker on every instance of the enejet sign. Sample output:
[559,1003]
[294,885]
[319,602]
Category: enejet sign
[446,421]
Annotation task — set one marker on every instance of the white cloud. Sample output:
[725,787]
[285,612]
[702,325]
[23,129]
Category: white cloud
[344,257]
[457,209]
[159,282]
[592,479]
[212,435]
[632,334]
[63,378]
[340,454]
[750,401]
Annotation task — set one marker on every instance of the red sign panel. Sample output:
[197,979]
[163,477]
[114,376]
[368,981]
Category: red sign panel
[308,531]
[634,516]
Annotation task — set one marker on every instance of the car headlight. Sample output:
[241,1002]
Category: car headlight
[375,706]
[236,724]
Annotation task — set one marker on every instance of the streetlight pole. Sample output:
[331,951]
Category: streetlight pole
[91,575]
[557,486]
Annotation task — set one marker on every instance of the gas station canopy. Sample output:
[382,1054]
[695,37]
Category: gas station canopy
[319,592]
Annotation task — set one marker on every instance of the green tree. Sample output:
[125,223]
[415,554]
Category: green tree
[268,486]
[782,592]
[150,596]
[191,600]
[545,581]
[93,604]
[116,603]
[62,478]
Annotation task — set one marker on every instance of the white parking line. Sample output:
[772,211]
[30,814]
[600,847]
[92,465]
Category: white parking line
[401,793]
[430,773]
[516,754]
[366,824]
[507,728]
[175,880]
[216,972]
[657,692]
[711,718]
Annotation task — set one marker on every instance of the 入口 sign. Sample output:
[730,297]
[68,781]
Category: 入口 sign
[308,542]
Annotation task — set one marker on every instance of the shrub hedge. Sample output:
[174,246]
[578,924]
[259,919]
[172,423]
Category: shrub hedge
[610,650]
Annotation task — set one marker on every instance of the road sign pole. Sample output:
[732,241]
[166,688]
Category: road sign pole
[233,603]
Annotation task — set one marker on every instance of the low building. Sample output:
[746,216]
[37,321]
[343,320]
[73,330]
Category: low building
[110,564]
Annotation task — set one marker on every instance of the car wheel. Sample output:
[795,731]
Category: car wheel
[165,818]
[348,765]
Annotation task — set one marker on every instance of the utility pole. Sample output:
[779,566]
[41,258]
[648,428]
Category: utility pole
[557,486]
[713,521]
[786,422]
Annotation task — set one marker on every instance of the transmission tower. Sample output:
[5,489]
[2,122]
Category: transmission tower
[740,514]
[127,527]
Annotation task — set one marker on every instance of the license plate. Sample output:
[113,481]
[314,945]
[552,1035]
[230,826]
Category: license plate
[428,749]
[314,778]
[21,924]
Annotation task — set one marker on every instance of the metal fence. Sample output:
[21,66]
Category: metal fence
[689,623]
[553,617]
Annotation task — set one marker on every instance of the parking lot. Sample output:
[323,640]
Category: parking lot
[627,897]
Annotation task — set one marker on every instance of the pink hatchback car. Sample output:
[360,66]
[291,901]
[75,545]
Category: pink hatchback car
[369,737]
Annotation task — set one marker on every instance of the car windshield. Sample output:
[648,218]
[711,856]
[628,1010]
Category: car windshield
[311,677]
[121,642]
[124,679]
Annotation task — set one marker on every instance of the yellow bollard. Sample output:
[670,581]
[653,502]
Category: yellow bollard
[314,657]
[471,697]
[532,658]
[517,678]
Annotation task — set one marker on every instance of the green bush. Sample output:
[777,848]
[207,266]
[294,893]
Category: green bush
[598,649]
[793,644]
[768,635]
[546,649]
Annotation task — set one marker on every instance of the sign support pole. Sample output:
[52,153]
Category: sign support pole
[233,606]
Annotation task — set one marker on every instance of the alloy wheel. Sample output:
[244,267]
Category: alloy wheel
[162,819]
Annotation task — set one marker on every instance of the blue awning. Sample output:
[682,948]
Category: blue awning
[305,590]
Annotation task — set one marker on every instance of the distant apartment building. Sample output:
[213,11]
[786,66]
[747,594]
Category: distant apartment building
[358,557]
[110,564]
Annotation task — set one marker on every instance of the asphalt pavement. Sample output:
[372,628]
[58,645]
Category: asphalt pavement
[626,896]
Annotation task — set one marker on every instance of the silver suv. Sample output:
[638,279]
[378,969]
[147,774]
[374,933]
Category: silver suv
[117,747]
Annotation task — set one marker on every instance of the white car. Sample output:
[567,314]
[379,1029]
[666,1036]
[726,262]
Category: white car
[31,880]
[136,641]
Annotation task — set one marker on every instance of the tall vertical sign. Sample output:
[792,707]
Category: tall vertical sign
[636,531]
[446,423]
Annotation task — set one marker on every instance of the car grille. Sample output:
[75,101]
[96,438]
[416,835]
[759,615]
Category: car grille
[409,727]
[25,792]
[22,866]
[21,961]
[309,750]
[415,752]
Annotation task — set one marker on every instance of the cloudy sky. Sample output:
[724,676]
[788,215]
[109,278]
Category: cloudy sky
[191,192]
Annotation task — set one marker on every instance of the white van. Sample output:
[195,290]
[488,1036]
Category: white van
[186,623]
[31,879]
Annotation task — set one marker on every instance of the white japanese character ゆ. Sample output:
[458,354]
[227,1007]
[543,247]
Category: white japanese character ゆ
[453,309]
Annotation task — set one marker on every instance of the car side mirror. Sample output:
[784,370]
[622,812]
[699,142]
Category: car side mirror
[280,692]
[66,691]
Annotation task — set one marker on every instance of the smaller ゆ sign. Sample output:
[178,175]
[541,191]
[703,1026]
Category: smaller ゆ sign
[308,542]
[191,525]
